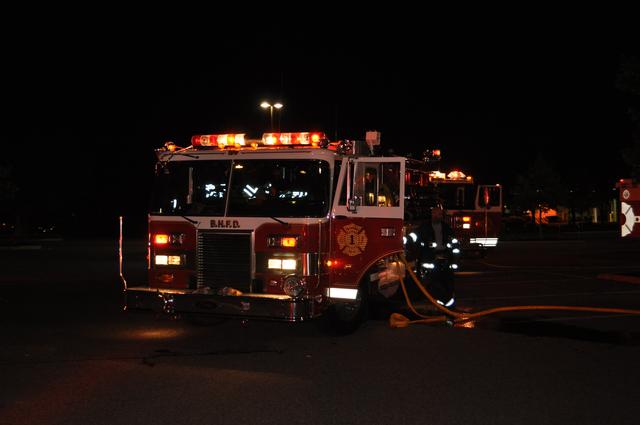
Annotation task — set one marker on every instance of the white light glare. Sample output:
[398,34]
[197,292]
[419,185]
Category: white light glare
[288,264]
[274,263]
[344,293]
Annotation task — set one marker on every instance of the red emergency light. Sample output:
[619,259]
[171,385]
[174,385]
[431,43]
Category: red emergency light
[218,140]
[456,175]
[300,138]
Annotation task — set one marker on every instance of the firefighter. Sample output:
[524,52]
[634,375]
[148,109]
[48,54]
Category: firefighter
[437,258]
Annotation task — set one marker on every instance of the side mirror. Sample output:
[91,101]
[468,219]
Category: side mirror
[353,203]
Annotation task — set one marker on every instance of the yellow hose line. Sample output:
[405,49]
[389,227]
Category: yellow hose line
[409,303]
[399,321]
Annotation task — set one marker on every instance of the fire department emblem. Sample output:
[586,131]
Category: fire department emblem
[352,240]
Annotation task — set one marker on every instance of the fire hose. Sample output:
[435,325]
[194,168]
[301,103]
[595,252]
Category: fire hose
[397,320]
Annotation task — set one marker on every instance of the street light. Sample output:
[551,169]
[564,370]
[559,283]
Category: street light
[277,105]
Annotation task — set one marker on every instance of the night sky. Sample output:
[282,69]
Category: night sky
[86,103]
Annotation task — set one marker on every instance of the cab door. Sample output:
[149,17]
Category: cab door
[367,214]
[489,204]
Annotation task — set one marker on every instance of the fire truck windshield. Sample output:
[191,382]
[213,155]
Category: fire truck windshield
[456,195]
[254,188]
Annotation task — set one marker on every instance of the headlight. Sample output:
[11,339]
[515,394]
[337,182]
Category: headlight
[281,264]
[293,286]
[169,260]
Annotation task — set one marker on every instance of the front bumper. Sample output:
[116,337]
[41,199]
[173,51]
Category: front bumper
[258,306]
[484,242]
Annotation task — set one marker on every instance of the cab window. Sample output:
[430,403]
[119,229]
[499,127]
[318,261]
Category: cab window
[377,184]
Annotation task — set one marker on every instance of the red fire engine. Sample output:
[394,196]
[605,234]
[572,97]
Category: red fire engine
[284,227]
[474,211]
[629,208]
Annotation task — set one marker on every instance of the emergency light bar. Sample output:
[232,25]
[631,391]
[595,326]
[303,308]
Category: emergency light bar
[222,141]
[457,175]
[218,140]
[302,138]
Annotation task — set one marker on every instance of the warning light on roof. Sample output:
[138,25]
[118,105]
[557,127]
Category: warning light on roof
[431,155]
[456,175]
[302,138]
[223,141]
[218,140]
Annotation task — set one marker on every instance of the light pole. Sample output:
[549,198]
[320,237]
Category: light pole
[276,105]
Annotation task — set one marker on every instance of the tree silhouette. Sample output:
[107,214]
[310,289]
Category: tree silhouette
[539,188]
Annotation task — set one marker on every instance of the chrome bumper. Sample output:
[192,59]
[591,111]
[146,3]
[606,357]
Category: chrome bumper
[257,306]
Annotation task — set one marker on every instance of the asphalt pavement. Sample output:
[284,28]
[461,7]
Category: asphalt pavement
[70,355]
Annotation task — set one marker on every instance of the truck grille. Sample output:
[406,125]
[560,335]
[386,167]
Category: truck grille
[224,259]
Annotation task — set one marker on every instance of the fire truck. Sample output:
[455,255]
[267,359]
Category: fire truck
[288,227]
[629,208]
[474,211]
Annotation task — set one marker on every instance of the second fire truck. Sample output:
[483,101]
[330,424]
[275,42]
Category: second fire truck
[474,211]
